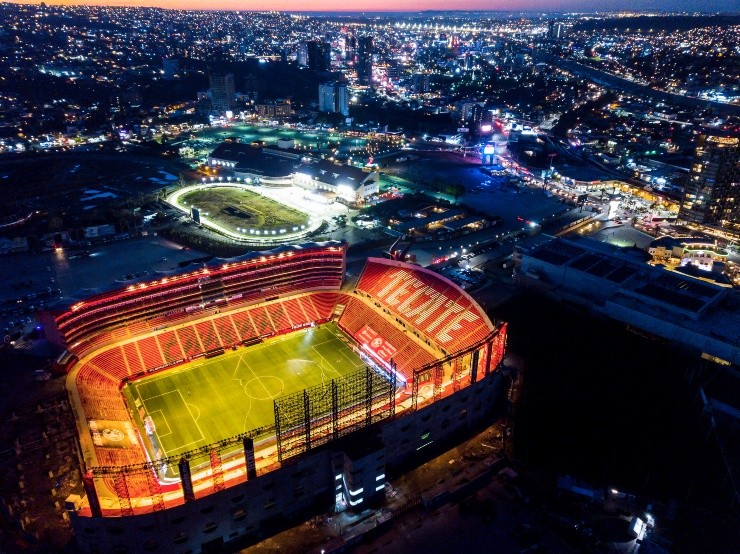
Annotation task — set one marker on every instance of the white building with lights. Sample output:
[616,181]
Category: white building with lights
[350,184]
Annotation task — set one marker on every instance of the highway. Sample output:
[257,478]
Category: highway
[611,81]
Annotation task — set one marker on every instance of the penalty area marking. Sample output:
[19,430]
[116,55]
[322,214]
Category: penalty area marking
[164,420]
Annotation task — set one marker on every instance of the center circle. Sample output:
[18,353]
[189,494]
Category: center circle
[265,387]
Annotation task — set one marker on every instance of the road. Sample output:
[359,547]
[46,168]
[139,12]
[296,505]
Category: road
[625,85]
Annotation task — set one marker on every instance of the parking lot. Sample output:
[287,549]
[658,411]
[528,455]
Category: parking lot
[31,282]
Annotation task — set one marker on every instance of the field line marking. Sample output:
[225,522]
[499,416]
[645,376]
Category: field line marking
[159,439]
[169,429]
[168,453]
[157,395]
[258,379]
[202,436]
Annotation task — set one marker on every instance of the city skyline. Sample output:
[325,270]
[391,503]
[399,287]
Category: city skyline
[436,275]
[365,6]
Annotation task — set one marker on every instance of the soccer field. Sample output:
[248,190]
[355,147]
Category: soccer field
[212,399]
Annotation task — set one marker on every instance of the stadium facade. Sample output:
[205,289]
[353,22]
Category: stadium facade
[432,358]
[271,166]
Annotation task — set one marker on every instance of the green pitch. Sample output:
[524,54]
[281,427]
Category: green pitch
[233,207]
[212,399]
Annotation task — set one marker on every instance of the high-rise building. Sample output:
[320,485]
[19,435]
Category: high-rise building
[319,55]
[170,66]
[393,71]
[555,30]
[222,91]
[712,193]
[302,54]
[334,98]
[350,47]
[365,60]
[420,83]
[250,87]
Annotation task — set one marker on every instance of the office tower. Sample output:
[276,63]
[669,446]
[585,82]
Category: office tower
[250,87]
[319,55]
[302,54]
[469,60]
[712,193]
[170,66]
[222,91]
[420,83]
[365,60]
[334,98]
[555,30]
[350,47]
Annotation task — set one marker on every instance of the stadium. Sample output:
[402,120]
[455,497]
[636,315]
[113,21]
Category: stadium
[228,399]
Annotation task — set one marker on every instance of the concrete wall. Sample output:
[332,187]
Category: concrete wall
[294,492]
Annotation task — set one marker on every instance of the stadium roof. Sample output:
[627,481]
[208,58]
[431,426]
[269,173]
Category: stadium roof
[212,263]
[333,174]
[255,160]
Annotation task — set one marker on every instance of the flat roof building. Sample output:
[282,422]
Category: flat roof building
[618,283]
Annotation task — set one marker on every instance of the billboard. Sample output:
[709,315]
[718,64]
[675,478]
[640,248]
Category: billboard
[371,339]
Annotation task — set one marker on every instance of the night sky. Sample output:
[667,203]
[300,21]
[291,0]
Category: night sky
[413,5]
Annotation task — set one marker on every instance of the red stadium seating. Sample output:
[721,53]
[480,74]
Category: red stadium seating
[309,308]
[296,315]
[226,331]
[207,334]
[150,352]
[280,321]
[131,352]
[409,355]
[111,362]
[244,325]
[189,341]
[149,305]
[170,347]
[324,302]
[262,321]
[427,302]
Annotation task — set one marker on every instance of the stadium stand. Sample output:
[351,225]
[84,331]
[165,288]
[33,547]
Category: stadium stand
[133,359]
[207,334]
[111,362]
[170,347]
[226,331]
[244,325]
[324,303]
[426,301]
[189,340]
[309,308]
[280,321]
[150,352]
[408,356]
[294,311]
[147,305]
[262,321]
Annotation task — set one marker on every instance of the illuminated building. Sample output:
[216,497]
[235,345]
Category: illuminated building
[222,91]
[433,358]
[712,193]
[365,61]
[334,98]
